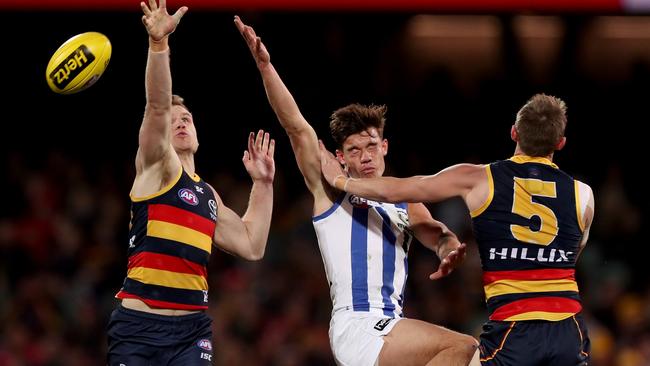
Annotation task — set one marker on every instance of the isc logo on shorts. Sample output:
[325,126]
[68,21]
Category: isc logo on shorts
[204,344]
[382,324]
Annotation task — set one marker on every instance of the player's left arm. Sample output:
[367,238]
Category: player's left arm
[246,236]
[456,180]
[438,238]
[585,192]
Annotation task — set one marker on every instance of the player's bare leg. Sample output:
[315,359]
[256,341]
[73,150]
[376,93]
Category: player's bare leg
[414,342]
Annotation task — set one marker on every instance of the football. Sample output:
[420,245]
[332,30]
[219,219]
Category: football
[78,63]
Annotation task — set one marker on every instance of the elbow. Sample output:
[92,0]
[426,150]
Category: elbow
[156,108]
[255,255]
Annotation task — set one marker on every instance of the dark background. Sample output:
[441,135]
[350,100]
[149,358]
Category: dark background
[67,164]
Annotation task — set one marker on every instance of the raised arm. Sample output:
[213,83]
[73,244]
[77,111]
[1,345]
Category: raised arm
[246,236]
[303,137]
[438,238]
[468,181]
[154,132]
[155,161]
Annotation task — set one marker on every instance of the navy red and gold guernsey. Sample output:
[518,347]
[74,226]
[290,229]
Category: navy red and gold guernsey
[170,242]
[528,233]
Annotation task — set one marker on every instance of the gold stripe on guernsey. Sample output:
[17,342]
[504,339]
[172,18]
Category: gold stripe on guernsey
[504,287]
[536,315]
[181,234]
[581,223]
[161,277]
[487,202]
[195,177]
[521,159]
[160,192]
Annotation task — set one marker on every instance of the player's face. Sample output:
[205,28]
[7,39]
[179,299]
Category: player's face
[183,132]
[363,154]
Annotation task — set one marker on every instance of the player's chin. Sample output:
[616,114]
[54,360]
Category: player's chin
[370,173]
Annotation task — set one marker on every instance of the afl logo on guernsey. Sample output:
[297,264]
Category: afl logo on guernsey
[205,344]
[188,196]
[357,201]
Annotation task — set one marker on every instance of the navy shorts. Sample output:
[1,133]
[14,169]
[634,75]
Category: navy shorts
[535,343]
[136,338]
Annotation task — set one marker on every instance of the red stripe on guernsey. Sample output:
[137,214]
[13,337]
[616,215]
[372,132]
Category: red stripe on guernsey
[547,304]
[160,304]
[166,263]
[178,216]
[529,275]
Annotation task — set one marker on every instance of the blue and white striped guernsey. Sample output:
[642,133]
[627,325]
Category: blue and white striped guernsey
[364,245]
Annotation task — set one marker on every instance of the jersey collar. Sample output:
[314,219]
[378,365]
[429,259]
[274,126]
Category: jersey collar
[521,159]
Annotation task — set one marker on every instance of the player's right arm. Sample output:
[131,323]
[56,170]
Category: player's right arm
[156,161]
[301,134]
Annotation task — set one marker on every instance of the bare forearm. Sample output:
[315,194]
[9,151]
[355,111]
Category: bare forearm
[158,80]
[281,100]
[257,218]
[383,189]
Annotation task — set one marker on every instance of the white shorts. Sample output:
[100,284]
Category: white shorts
[357,337]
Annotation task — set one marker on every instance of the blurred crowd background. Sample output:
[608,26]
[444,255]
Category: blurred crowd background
[452,83]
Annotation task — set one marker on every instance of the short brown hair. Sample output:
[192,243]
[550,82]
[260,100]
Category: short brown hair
[355,118]
[540,124]
[178,100]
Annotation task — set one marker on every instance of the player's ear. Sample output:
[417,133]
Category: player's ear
[384,147]
[560,145]
[513,134]
[340,157]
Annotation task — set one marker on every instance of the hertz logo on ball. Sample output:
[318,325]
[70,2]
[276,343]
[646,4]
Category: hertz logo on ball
[71,67]
[78,63]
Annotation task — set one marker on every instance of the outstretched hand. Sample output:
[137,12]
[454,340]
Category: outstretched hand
[330,167]
[450,262]
[258,159]
[157,20]
[255,45]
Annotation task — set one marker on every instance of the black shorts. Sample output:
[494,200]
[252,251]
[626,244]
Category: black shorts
[535,343]
[136,338]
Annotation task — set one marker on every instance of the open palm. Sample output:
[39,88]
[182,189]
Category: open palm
[258,159]
[157,20]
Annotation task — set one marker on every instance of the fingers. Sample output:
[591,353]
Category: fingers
[265,143]
[163,4]
[436,275]
[251,141]
[258,44]
[179,13]
[246,156]
[271,148]
[259,140]
[145,8]
[239,24]
[152,5]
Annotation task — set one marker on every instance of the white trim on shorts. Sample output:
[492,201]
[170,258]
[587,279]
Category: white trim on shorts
[357,337]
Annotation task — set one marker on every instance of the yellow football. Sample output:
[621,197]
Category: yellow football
[78,63]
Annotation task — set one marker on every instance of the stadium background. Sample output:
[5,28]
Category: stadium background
[453,77]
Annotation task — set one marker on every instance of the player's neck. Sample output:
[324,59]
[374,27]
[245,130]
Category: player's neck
[519,151]
[187,160]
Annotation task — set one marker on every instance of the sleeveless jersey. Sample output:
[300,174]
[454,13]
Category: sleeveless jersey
[528,233]
[170,240]
[364,245]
